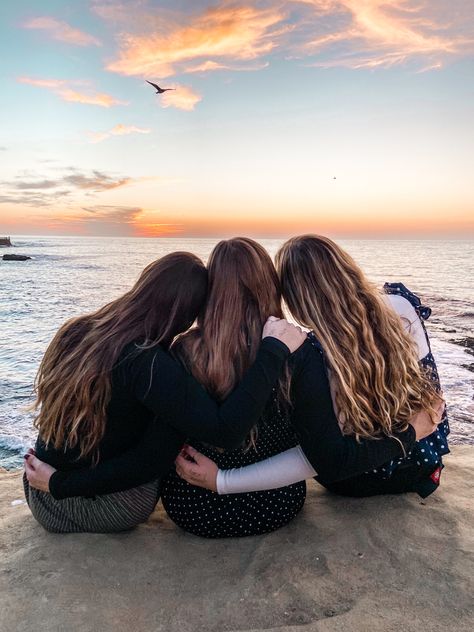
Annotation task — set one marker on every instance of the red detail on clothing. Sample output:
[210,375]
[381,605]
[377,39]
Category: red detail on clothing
[436,475]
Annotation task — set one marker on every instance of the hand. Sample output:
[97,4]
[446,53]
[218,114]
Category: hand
[199,471]
[37,472]
[279,328]
[423,421]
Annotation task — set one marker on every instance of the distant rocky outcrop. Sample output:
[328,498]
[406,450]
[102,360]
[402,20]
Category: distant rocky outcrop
[5,241]
[15,258]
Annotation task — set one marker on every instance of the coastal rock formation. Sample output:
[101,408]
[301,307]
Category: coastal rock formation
[382,564]
[5,241]
[15,257]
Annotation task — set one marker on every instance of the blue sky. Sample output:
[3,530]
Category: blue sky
[272,101]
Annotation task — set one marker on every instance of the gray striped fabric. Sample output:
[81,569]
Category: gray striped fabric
[110,513]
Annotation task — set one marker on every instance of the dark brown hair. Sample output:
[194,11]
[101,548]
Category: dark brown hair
[73,384]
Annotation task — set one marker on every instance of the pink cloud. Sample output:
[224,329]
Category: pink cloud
[117,130]
[183,98]
[347,33]
[223,34]
[66,91]
[62,31]
[383,33]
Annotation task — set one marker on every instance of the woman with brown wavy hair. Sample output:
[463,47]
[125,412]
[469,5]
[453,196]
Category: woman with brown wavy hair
[106,384]
[378,386]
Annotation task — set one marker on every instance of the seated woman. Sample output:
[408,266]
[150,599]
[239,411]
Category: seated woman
[106,384]
[370,344]
[243,293]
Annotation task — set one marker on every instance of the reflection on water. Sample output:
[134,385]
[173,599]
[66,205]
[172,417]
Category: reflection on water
[68,276]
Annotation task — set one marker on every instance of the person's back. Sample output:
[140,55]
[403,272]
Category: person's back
[204,513]
[244,292]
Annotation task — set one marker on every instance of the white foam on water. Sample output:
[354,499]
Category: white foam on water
[70,276]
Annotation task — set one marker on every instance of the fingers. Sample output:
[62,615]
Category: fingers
[182,462]
[28,461]
[190,450]
[196,456]
[34,462]
[29,471]
[186,470]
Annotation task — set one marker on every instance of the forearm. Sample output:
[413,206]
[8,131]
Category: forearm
[226,424]
[280,470]
[150,459]
[333,455]
[347,457]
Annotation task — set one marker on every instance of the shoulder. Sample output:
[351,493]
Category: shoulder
[134,355]
[402,306]
[310,354]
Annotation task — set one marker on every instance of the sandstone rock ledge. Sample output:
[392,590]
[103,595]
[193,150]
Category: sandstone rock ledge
[392,564]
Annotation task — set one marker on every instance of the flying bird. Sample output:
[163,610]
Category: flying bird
[158,89]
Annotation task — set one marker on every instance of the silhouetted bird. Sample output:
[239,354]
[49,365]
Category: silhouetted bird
[158,89]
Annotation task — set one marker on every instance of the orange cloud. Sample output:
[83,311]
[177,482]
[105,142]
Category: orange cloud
[118,130]
[209,66]
[64,90]
[348,33]
[223,33]
[62,31]
[383,33]
[183,98]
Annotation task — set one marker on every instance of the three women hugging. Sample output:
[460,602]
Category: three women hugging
[226,419]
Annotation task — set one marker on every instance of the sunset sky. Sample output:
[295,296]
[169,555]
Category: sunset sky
[344,117]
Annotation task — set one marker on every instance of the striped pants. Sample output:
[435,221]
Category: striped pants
[110,513]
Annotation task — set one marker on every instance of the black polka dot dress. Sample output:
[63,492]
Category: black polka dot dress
[205,513]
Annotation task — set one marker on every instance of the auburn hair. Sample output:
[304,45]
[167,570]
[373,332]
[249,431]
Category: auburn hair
[244,290]
[74,380]
[376,380]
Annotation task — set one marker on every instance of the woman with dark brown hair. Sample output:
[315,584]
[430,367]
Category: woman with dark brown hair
[378,370]
[107,384]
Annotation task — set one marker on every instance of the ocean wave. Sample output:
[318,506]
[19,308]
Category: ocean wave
[13,444]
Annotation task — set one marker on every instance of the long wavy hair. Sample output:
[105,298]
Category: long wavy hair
[74,380]
[376,381]
[244,291]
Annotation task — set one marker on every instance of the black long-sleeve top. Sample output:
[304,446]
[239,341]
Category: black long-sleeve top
[333,455]
[155,404]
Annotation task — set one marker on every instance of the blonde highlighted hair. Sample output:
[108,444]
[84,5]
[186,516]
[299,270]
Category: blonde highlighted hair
[74,380]
[376,379]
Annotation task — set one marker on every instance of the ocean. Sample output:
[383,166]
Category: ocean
[68,276]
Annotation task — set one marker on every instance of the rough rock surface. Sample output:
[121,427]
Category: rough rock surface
[387,564]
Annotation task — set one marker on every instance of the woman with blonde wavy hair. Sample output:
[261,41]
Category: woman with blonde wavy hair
[381,376]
